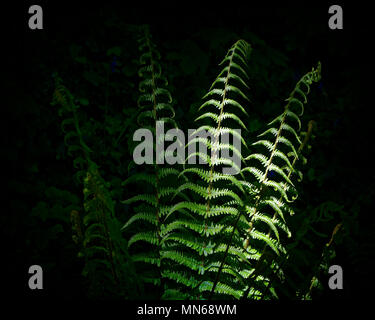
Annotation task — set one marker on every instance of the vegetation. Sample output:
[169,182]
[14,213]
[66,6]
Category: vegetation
[105,227]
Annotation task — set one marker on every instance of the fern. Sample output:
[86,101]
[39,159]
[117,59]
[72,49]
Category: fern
[73,139]
[280,149]
[227,269]
[104,248]
[155,104]
[97,233]
[196,232]
[194,240]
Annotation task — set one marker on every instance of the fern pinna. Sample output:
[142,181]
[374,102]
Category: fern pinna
[201,227]
[158,181]
[97,232]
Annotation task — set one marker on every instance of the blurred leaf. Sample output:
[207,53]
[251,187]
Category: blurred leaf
[54,231]
[83,101]
[114,51]
[93,78]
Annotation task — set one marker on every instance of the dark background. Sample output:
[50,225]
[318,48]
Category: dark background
[287,41]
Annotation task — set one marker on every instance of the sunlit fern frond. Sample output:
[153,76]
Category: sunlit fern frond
[196,238]
[272,167]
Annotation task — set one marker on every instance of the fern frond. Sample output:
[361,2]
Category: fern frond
[155,102]
[281,178]
[220,194]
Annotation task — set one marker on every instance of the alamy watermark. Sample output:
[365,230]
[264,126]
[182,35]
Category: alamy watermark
[36,18]
[336,280]
[336,19]
[222,151]
[36,280]
[35,22]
